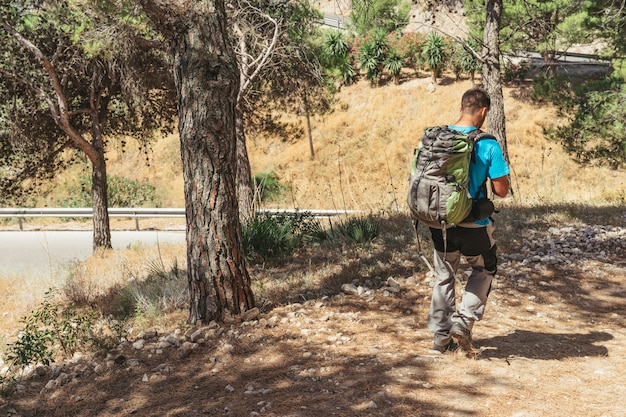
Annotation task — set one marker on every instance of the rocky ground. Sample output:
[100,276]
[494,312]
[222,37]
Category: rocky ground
[552,344]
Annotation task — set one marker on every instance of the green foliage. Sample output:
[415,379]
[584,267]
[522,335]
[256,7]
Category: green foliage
[337,56]
[105,69]
[408,46]
[360,229]
[268,186]
[31,347]
[385,15]
[393,64]
[543,26]
[51,324]
[123,192]
[291,79]
[273,236]
[606,20]
[335,44]
[463,60]
[372,53]
[597,110]
[434,53]
[556,89]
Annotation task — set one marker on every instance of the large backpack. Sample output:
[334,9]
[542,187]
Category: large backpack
[439,181]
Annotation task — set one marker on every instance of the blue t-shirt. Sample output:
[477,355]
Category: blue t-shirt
[488,162]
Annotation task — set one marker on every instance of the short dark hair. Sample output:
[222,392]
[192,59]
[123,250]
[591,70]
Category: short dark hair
[473,100]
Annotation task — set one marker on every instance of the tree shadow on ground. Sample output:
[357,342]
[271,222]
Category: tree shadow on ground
[544,346]
[273,370]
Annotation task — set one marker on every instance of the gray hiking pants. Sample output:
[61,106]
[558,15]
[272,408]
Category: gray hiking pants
[479,249]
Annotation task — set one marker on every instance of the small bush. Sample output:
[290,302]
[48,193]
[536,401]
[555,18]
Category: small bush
[268,186]
[52,324]
[360,229]
[271,236]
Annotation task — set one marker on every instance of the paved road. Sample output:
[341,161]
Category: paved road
[34,252]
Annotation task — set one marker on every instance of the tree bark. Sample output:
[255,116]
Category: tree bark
[491,73]
[245,190]
[207,81]
[99,190]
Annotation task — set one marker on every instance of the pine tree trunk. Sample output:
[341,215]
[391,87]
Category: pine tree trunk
[207,81]
[100,206]
[245,190]
[99,188]
[491,73]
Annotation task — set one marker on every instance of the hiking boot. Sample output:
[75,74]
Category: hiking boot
[462,336]
[450,347]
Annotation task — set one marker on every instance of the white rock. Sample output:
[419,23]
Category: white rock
[349,289]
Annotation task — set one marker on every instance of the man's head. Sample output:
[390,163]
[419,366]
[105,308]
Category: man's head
[475,104]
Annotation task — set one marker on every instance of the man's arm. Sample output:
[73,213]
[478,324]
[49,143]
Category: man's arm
[500,186]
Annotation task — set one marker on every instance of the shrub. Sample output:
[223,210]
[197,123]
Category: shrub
[52,324]
[434,53]
[462,60]
[409,46]
[594,134]
[337,57]
[271,236]
[360,229]
[123,192]
[268,186]
[394,64]
[371,55]
[163,291]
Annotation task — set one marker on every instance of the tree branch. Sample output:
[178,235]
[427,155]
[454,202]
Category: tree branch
[60,114]
[261,60]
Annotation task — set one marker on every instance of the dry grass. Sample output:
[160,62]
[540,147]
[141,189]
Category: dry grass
[364,148]
[20,294]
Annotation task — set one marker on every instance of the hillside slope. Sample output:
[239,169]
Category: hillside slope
[363,149]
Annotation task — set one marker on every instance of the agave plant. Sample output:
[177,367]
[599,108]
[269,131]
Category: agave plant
[372,55]
[393,65]
[434,53]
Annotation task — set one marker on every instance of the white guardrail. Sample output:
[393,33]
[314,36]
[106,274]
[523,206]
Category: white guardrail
[137,213]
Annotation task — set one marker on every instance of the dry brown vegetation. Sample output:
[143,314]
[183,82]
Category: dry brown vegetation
[553,343]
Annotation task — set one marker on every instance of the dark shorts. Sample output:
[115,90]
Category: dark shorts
[469,241]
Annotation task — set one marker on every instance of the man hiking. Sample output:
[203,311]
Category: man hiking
[452,325]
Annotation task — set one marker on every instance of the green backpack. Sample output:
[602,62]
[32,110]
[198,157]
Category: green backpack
[439,181]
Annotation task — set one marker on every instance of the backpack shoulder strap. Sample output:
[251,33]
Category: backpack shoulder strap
[478,134]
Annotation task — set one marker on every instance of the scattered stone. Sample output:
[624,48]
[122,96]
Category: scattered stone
[350,289]
[172,340]
[196,335]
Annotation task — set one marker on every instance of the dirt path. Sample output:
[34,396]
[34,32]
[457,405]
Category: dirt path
[553,344]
